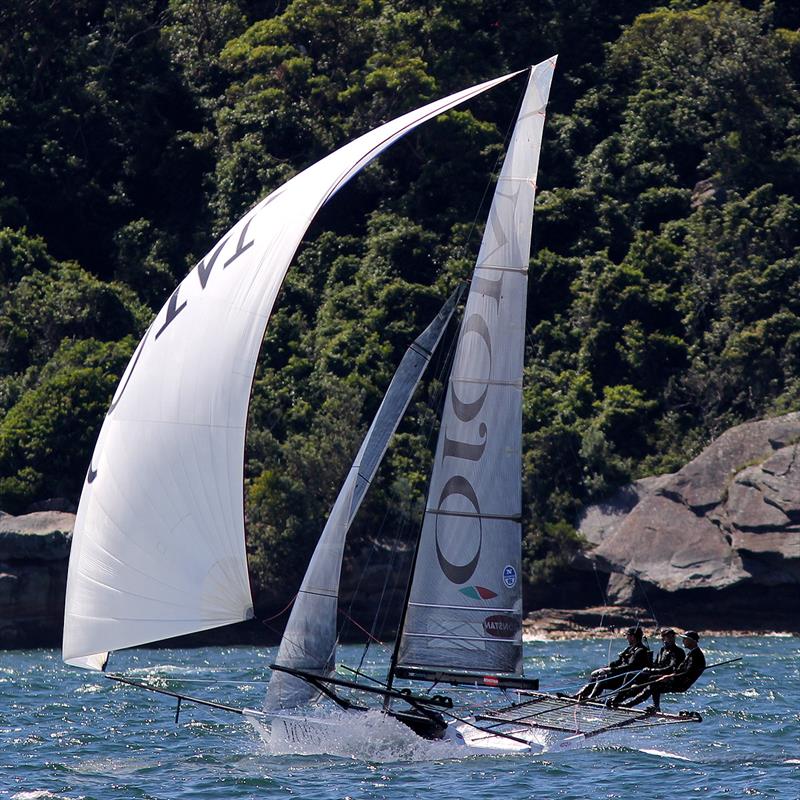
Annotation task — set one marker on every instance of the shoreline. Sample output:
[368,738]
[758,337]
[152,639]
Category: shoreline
[610,622]
[534,635]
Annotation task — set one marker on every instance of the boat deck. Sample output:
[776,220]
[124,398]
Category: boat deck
[564,714]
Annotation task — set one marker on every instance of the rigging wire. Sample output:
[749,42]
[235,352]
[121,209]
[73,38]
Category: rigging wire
[362,629]
[495,171]
[651,609]
[442,366]
[603,593]
[380,620]
[435,401]
[265,622]
[444,383]
[348,614]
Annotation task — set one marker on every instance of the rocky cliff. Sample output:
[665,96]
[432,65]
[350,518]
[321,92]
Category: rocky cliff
[725,527]
[714,545]
[33,572]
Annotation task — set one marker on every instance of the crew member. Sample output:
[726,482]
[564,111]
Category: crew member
[632,659]
[670,656]
[668,659]
[679,680]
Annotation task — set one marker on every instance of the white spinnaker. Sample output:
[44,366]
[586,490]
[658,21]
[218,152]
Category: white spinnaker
[158,548]
[465,606]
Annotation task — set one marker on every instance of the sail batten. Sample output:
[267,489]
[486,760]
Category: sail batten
[456,638]
[470,514]
[163,492]
[505,268]
[497,610]
[465,603]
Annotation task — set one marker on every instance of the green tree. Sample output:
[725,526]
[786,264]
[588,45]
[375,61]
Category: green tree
[93,124]
[47,437]
[43,309]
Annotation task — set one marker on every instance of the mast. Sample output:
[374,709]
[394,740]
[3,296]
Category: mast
[402,622]
[309,641]
[464,608]
[158,548]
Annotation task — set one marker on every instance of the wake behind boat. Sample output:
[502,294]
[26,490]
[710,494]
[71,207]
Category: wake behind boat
[158,547]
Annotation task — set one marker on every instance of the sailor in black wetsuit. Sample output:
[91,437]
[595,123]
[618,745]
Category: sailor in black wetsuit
[687,672]
[670,656]
[668,659]
[632,659]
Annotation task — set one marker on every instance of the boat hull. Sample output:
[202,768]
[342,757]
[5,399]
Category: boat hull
[316,734]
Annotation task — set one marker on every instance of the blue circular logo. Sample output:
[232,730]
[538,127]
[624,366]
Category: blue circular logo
[510,576]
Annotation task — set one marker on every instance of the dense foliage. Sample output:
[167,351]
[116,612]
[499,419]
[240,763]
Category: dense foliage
[665,284]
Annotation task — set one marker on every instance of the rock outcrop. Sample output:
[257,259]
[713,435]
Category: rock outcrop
[601,622]
[715,544]
[34,550]
[728,519]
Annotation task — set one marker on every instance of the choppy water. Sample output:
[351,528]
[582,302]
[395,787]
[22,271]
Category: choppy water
[68,734]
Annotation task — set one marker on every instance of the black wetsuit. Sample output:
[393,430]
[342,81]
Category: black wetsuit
[635,657]
[688,671]
[668,659]
[632,659]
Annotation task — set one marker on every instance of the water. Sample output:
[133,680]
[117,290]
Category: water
[69,734]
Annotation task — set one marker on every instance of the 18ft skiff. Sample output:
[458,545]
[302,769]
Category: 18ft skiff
[159,551]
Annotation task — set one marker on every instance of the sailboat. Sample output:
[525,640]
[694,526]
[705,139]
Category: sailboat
[159,548]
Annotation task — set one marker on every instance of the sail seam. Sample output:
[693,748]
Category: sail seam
[320,593]
[215,621]
[363,478]
[423,351]
[481,382]
[212,426]
[446,672]
[462,638]
[473,514]
[501,268]
[465,608]
[105,550]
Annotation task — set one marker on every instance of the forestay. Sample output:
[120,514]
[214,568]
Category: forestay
[309,641]
[158,548]
[465,608]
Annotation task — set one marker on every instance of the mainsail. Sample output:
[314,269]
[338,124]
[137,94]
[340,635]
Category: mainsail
[158,548]
[309,641]
[465,605]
